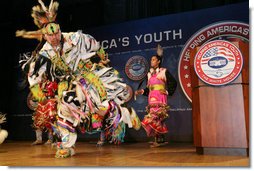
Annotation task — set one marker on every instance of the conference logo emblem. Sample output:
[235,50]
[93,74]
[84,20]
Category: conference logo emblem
[218,62]
[136,68]
[218,69]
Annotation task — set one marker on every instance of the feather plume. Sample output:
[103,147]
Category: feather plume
[50,5]
[42,15]
[42,5]
[159,50]
[29,34]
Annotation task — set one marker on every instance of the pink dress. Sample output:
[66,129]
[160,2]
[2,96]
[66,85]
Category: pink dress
[157,108]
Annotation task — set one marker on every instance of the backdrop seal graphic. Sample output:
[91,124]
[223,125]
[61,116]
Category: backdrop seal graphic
[136,68]
[232,29]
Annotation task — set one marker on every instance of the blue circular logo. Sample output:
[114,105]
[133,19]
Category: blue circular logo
[136,68]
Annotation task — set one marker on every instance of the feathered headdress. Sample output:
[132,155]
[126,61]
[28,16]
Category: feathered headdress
[159,52]
[43,16]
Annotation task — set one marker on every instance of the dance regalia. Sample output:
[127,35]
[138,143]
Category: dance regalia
[89,95]
[46,109]
[160,85]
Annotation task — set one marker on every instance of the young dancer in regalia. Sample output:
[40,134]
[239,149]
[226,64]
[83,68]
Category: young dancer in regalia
[89,95]
[160,85]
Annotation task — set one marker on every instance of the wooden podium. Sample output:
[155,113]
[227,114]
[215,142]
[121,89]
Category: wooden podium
[221,113]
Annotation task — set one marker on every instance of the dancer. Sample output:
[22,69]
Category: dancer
[160,85]
[90,96]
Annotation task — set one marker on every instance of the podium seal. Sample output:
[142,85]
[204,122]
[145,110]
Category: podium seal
[218,62]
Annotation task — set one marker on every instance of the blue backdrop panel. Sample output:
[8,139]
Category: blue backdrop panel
[125,40]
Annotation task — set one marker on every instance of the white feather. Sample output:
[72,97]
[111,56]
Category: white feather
[50,5]
[159,50]
[43,6]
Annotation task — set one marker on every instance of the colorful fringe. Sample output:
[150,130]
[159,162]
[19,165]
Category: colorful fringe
[153,122]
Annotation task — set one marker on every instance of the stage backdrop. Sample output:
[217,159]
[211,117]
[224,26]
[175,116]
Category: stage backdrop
[130,46]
